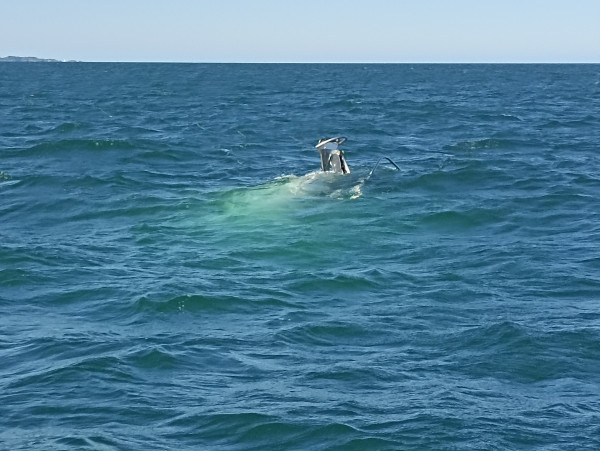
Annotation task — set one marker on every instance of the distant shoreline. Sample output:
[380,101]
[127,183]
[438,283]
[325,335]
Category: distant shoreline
[33,59]
[30,59]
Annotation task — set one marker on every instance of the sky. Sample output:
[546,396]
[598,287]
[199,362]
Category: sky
[394,31]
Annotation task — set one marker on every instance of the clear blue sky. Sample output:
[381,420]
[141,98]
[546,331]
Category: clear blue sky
[303,30]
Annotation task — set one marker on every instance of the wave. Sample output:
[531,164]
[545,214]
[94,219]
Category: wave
[193,303]
[76,145]
[256,431]
[462,220]
[492,144]
[333,333]
[509,350]
[582,123]
[340,281]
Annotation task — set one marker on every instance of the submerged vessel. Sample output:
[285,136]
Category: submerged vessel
[332,157]
[333,160]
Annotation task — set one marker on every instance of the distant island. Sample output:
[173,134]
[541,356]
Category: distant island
[30,59]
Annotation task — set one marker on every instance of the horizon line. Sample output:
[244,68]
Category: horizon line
[466,62]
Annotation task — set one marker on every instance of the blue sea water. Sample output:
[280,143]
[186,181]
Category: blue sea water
[176,273]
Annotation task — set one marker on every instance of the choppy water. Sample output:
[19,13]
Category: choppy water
[175,273]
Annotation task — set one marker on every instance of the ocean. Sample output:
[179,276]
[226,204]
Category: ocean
[177,273]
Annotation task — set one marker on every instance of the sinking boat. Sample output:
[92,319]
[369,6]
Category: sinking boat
[333,159]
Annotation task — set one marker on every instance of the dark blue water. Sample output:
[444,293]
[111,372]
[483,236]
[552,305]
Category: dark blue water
[175,273]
